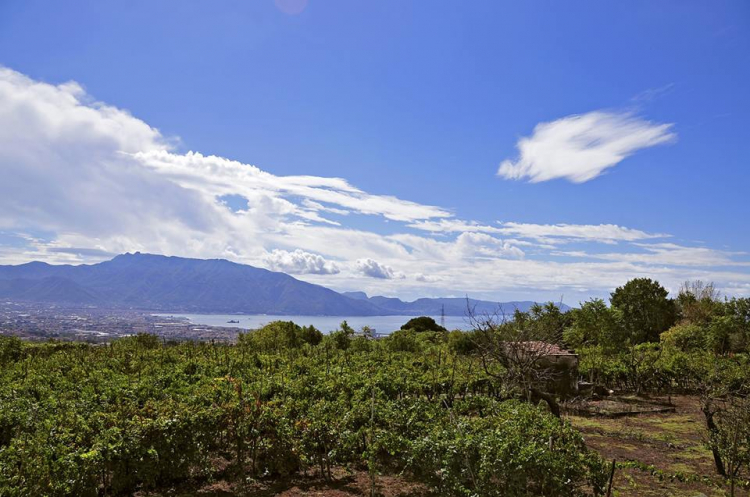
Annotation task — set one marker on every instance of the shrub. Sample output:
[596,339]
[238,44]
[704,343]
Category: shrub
[422,323]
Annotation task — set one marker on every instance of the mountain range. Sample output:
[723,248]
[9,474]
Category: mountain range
[176,284]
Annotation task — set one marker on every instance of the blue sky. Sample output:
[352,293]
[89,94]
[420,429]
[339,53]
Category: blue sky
[633,116]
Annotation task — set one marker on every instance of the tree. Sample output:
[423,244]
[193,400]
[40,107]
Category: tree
[730,329]
[341,338]
[731,436]
[594,323]
[697,301]
[422,323]
[311,335]
[546,319]
[646,310]
[687,337]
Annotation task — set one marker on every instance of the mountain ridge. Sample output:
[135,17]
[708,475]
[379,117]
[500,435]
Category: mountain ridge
[177,284]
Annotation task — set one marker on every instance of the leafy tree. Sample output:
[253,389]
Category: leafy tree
[548,320]
[730,331]
[421,324]
[147,340]
[311,335]
[594,323]
[646,310]
[687,337]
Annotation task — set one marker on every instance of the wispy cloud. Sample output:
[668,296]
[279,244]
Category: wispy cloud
[602,233]
[581,147]
[651,94]
[669,254]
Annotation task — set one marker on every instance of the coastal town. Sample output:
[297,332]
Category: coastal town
[45,321]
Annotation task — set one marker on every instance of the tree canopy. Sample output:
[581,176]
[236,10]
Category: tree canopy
[646,309]
[422,323]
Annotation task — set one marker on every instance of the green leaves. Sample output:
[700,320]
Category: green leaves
[82,420]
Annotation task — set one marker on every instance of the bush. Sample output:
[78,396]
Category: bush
[422,323]
[280,335]
[462,342]
[507,453]
[403,341]
[11,349]
[686,337]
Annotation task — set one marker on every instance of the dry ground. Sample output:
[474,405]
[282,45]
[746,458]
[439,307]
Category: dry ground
[658,454]
[344,484]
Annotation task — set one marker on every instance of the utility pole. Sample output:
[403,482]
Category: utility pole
[442,316]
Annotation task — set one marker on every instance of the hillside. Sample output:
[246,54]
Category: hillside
[177,284]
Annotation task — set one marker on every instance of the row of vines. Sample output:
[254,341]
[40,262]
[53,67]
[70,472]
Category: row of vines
[138,414]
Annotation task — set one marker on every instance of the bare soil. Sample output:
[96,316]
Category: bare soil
[658,454]
[344,484]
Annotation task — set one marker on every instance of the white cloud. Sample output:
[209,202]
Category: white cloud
[603,233]
[80,180]
[453,226]
[667,254]
[300,262]
[480,244]
[374,269]
[224,176]
[581,147]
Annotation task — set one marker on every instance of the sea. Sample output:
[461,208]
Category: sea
[326,324]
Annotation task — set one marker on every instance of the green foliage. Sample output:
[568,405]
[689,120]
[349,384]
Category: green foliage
[422,323]
[280,335]
[665,368]
[687,337]
[462,342]
[11,349]
[730,327]
[729,436]
[403,341]
[137,415]
[725,329]
[646,310]
[341,339]
[544,322]
[147,340]
[506,453]
[594,323]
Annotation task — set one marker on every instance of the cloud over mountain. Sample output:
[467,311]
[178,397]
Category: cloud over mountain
[300,262]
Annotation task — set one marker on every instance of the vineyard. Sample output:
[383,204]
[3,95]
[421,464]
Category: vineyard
[137,414]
